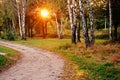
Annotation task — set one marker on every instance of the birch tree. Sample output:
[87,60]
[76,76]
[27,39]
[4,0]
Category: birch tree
[71,19]
[110,20]
[92,40]
[84,26]
[58,27]
[21,8]
[74,21]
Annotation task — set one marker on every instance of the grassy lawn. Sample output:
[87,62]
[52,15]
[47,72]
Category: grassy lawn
[8,59]
[100,62]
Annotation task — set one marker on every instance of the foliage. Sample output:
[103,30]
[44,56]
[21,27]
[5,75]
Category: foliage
[2,60]
[100,23]
[105,71]
[7,59]
[8,35]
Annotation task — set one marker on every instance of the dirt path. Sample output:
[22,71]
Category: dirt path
[35,64]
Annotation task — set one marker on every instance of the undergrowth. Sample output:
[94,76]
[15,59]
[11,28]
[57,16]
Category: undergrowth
[8,59]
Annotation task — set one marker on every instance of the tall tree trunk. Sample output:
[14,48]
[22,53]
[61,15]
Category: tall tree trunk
[110,20]
[74,21]
[105,23]
[78,33]
[115,32]
[19,18]
[85,30]
[23,19]
[57,25]
[73,27]
[70,13]
[14,29]
[61,28]
[92,40]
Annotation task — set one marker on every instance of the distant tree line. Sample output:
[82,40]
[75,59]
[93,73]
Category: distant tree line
[20,18]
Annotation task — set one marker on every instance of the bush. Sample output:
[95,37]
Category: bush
[8,35]
[2,61]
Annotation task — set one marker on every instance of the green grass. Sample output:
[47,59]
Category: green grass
[45,43]
[8,51]
[10,57]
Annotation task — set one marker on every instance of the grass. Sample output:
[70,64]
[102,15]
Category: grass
[8,59]
[100,62]
[8,51]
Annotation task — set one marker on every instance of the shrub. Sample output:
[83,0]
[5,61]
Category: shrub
[2,61]
[10,36]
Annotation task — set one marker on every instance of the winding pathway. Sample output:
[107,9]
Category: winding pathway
[35,64]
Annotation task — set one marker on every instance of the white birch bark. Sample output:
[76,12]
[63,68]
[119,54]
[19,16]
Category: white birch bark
[85,30]
[70,13]
[57,25]
[74,3]
[92,40]
[73,26]
[21,8]
[61,28]
[23,19]
[19,17]
[110,20]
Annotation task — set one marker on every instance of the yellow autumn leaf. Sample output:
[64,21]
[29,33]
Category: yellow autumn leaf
[80,73]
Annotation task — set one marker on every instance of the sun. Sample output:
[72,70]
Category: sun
[44,13]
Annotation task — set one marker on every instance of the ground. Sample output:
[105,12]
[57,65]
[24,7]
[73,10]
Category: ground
[35,64]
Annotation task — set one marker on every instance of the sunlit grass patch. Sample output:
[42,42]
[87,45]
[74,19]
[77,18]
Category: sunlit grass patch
[9,58]
[8,51]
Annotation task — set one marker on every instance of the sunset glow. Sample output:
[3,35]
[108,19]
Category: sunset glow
[44,13]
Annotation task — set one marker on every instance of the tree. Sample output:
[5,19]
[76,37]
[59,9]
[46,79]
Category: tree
[84,26]
[73,26]
[8,17]
[92,41]
[110,20]
[21,8]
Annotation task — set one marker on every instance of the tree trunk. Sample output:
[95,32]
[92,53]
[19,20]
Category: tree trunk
[73,27]
[61,28]
[78,33]
[70,13]
[110,20]
[105,23]
[115,33]
[74,21]
[14,29]
[23,20]
[57,26]
[19,18]
[85,30]
[92,40]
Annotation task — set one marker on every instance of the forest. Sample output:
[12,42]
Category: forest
[84,32]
